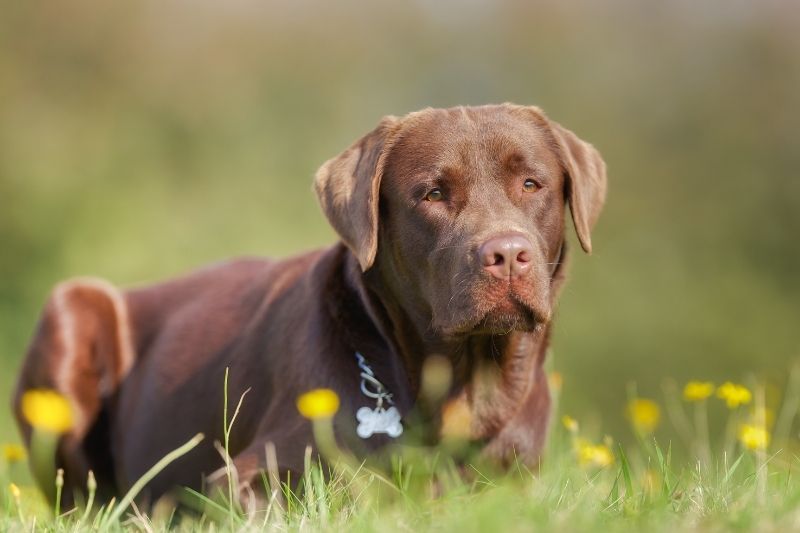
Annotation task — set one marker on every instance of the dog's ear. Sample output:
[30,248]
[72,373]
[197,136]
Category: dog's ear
[586,181]
[348,188]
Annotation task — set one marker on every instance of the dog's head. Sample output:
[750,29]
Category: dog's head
[463,210]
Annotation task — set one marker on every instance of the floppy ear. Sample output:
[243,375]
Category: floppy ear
[586,181]
[348,187]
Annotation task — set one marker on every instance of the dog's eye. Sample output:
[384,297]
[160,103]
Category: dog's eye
[529,185]
[435,195]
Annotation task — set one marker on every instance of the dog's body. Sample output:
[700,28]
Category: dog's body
[452,224]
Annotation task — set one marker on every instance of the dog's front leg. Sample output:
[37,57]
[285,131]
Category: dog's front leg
[258,475]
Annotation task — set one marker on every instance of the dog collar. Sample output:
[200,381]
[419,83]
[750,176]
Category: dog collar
[379,419]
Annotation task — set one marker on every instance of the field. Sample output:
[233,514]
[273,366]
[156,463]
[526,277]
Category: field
[744,481]
[139,141]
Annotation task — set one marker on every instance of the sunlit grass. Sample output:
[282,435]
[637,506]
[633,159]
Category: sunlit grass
[588,481]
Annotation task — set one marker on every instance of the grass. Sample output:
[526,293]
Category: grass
[582,485]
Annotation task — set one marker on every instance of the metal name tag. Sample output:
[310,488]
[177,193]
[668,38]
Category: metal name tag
[378,420]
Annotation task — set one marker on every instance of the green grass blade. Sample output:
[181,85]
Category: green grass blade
[626,471]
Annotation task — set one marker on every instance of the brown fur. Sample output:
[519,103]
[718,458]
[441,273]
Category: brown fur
[143,367]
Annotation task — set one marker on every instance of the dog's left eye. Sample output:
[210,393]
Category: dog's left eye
[529,185]
[435,195]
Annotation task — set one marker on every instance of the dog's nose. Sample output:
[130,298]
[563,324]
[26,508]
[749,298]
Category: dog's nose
[507,256]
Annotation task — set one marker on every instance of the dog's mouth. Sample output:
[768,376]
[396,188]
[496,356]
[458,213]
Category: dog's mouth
[498,313]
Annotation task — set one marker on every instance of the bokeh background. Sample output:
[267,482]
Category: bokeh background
[139,140]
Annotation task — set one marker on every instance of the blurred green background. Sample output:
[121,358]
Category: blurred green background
[139,140]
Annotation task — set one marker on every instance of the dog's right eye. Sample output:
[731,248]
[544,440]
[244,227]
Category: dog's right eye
[435,195]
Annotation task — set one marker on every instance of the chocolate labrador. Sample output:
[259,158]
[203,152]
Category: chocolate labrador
[452,244]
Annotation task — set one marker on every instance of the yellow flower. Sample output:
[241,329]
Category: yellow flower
[644,414]
[556,381]
[15,492]
[570,423]
[47,410]
[734,395]
[594,454]
[753,437]
[318,403]
[13,453]
[456,419]
[696,391]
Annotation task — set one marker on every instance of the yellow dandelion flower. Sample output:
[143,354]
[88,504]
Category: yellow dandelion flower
[734,395]
[47,410]
[318,403]
[15,492]
[753,437]
[598,455]
[556,381]
[570,423]
[644,414]
[13,453]
[697,391]
[456,419]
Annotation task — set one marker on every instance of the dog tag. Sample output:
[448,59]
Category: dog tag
[378,420]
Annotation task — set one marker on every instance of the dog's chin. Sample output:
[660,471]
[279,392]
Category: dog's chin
[505,317]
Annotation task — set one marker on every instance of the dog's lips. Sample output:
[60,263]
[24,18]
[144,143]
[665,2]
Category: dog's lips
[499,312]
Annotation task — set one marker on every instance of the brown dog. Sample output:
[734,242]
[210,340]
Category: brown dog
[452,228]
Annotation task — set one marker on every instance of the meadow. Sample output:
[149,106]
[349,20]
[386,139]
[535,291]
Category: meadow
[141,140]
[746,480]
